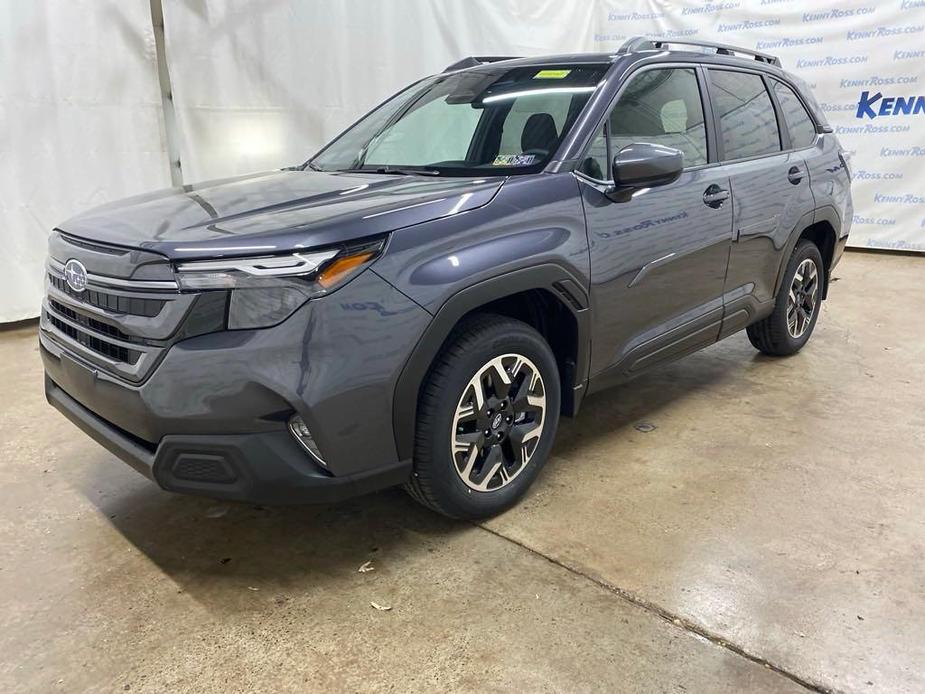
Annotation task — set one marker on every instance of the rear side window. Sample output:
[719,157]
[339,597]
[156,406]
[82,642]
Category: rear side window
[746,115]
[799,124]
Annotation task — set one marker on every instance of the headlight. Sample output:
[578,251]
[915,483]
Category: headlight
[266,290]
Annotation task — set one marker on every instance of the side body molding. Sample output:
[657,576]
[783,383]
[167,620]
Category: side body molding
[549,277]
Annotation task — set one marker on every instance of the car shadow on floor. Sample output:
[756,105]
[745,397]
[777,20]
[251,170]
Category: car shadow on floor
[641,401]
[209,547]
[205,545]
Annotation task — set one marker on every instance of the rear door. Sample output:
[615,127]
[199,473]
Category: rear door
[658,257]
[770,188]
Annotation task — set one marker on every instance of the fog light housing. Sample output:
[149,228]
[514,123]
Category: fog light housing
[300,432]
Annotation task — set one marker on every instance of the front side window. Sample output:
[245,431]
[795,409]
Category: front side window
[595,164]
[799,124]
[746,115]
[661,107]
[487,121]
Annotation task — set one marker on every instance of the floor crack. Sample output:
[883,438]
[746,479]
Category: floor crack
[674,619]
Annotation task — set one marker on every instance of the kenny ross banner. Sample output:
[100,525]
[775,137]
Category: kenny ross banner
[865,62]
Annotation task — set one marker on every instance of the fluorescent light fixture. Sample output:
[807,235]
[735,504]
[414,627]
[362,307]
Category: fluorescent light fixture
[537,92]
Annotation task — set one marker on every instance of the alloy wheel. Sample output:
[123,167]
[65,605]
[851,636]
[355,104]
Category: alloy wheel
[801,302]
[498,422]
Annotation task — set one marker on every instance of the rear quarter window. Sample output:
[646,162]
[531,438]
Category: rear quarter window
[799,123]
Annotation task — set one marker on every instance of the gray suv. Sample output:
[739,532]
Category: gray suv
[418,303]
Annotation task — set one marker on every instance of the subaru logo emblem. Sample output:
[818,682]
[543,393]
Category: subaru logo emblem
[75,274]
[497,421]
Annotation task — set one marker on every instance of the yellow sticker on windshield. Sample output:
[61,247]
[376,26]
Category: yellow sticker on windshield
[551,74]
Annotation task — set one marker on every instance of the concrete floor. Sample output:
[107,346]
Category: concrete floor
[768,535]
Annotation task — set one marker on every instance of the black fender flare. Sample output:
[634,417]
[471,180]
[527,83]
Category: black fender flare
[822,214]
[551,277]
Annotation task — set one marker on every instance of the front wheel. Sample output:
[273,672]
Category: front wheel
[486,420]
[797,306]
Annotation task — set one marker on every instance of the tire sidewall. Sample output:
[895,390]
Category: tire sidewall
[458,497]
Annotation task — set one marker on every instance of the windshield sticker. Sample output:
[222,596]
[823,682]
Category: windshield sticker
[514,160]
[551,74]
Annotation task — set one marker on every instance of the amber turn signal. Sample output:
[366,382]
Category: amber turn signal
[340,268]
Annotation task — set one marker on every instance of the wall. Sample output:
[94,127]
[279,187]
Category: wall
[260,85]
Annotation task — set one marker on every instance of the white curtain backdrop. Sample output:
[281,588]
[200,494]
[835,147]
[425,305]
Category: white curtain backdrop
[80,125]
[261,85]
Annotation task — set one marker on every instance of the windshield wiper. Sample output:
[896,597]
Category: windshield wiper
[399,170]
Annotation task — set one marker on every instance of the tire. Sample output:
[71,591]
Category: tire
[453,459]
[790,325]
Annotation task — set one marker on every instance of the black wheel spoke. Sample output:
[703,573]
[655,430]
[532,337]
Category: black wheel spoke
[523,440]
[489,468]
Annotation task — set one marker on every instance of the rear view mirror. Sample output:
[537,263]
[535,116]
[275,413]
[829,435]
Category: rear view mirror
[644,165]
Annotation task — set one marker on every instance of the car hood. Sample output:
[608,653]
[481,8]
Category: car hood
[276,211]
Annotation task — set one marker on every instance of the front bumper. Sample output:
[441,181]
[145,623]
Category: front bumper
[211,419]
[267,468]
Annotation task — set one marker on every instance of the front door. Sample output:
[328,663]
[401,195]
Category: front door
[658,258]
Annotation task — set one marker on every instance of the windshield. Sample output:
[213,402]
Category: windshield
[487,121]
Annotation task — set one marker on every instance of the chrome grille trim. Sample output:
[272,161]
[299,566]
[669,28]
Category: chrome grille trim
[123,358]
[110,350]
[119,327]
[78,325]
[108,301]
[104,281]
[121,343]
[88,322]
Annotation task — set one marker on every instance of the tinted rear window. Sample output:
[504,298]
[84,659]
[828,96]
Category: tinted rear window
[799,124]
[747,121]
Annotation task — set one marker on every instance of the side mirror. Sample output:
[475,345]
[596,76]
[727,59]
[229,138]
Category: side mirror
[644,165]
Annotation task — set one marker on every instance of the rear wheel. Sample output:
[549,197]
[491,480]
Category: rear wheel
[796,307]
[486,420]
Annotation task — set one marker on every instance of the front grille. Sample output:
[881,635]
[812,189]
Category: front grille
[89,322]
[133,306]
[131,312]
[94,343]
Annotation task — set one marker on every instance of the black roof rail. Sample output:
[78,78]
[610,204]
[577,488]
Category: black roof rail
[476,60]
[641,43]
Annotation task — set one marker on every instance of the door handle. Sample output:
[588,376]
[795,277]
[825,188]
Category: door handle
[795,175]
[714,196]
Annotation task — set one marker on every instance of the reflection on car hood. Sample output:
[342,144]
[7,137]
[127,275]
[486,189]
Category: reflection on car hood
[276,211]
